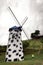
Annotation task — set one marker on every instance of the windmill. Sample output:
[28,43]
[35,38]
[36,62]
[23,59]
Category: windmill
[15,48]
[24,21]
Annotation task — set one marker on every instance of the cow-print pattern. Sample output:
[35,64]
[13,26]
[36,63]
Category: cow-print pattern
[14,47]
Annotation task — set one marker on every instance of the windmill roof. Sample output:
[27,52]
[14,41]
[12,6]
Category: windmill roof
[16,28]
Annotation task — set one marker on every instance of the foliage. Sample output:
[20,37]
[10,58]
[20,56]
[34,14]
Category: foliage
[35,34]
[25,44]
[29,46]
[2,48]
[28,60]
[41,40]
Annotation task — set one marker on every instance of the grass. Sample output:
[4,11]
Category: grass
[23,63]
[28,60]
[37,60]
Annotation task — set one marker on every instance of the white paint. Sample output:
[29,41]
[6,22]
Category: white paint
[21,8]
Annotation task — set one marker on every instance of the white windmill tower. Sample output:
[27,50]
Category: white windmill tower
[15,48]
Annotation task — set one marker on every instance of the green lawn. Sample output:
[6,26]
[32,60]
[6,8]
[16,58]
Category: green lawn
[28,60]
[32,62]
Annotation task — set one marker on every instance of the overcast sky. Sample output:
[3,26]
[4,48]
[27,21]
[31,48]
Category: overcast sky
[33,9]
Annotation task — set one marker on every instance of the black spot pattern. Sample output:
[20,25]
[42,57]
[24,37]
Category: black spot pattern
[9,60]
[19,50]
[14,44]
[13,36]
[11,33]
[9,39]
[9,49]
[20,47]
[16,35]
[9,55]
[9,45]
[12,41]
[14,51]
[19,37]
[16,59]
[20,43]
[17,40]
[19,33]
[6,59]
[19,55]
[22,57]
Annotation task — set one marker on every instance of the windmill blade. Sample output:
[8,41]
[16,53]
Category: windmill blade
[14,15]
[25,33]
[24,21]
[18,21]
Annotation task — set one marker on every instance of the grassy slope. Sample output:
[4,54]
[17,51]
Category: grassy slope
[23,63]
[37,60]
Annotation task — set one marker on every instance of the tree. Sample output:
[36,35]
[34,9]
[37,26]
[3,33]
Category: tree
[35,34]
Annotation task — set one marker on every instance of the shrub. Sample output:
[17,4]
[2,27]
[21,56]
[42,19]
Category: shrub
[35,34]
[25,44]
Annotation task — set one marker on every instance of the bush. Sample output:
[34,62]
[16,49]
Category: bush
[35,34]
[3,48]
[25,44]
[41,40]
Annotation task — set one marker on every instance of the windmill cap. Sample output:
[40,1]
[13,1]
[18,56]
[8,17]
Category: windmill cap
[15,28]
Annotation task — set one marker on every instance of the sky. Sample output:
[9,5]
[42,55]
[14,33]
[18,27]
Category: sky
[33,9]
